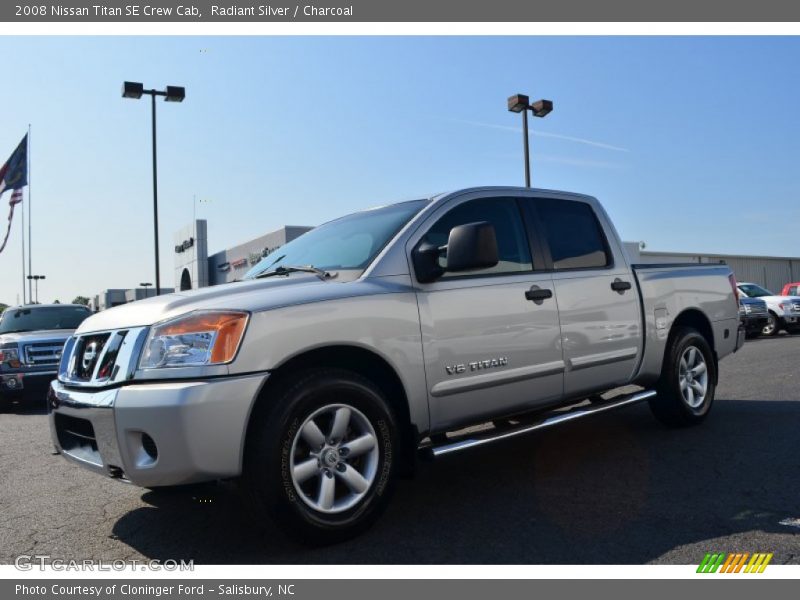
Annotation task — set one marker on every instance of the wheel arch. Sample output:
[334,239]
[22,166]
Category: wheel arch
[697,320]
[362,361]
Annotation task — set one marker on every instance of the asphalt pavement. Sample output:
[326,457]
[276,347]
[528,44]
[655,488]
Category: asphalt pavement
[618,488]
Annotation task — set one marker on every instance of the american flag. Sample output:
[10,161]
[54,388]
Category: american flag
[16,197]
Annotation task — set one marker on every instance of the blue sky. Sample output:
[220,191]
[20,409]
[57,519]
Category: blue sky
[692,144]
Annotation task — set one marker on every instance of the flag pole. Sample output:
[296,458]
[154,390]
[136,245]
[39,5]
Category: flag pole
[30,249]
[24,296]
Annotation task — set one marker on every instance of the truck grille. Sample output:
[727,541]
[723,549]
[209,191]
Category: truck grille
[43,354]
[796,307]
[86,353]
[101,359]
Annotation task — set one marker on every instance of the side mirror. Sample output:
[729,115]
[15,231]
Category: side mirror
[426,262]
[472,246]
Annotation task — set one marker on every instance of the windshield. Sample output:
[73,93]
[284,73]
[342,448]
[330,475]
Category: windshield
[754,291]
[350,242]
[32,318]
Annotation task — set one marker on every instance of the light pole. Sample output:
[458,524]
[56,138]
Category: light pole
[36,279]
[145,285]
[173,93]
[541,108]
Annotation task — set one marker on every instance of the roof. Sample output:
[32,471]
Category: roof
[47,306]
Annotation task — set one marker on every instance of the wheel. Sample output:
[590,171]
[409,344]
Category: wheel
[685,390]
[772,327]
[321,461]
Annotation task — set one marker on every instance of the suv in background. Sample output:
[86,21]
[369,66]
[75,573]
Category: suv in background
[784,311]
[31,340]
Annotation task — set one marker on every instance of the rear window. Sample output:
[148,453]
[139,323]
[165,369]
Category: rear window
[574,234]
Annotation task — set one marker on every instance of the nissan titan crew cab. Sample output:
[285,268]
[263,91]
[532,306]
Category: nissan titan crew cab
[384,334]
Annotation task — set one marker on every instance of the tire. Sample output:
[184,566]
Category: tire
[285,481]
[679,402]
[773,326]
[752,334]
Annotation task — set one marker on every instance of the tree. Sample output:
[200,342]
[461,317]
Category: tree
[56,301]
[81,300]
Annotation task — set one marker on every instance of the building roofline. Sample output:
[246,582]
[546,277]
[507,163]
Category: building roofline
[715,254]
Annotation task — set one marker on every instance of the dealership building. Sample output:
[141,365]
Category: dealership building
[195,268]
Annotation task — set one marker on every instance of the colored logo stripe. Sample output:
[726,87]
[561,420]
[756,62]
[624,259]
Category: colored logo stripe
[734,563]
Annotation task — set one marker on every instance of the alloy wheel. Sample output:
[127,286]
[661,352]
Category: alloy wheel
[693,377]
[334,458]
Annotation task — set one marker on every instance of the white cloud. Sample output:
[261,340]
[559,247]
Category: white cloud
[545,134]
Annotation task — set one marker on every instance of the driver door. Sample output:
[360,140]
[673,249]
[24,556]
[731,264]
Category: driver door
[489,350]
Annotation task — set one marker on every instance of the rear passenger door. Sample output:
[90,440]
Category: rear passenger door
[598,301]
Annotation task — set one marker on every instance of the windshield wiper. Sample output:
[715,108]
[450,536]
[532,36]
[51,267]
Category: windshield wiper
[286,270]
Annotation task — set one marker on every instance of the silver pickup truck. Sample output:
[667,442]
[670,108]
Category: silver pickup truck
[348,352]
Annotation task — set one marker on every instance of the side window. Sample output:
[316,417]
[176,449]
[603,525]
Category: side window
[512,242]
[793,290]
[574,234]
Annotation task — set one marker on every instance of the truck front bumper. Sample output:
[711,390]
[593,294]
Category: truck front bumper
[790,320]
[156,434]
[754,323]
[16,382]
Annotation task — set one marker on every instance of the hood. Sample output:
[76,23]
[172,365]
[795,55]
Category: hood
[29,337]
[744,300]
[777,299]
[251,295]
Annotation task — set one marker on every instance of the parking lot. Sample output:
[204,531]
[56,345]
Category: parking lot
[617,488]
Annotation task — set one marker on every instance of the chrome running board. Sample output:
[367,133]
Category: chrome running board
[493,435]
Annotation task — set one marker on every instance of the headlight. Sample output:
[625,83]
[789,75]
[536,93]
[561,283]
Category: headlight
[747,309]
[200,338]
[9,354]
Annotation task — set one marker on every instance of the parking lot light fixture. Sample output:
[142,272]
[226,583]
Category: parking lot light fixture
[173,93]
[542,108]
[517,103]
[520,103]
[131,89]
[145,285]
[36,279]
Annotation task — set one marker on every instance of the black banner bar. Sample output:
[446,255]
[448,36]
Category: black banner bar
[348,589]
[98,11]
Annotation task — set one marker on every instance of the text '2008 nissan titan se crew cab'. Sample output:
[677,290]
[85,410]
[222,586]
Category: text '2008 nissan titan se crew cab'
[343,354]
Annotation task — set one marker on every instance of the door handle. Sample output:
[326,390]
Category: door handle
[538,295]
[620,286]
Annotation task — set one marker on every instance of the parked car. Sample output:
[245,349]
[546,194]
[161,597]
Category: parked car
[31,340]
[784,311]
[317,385]
[791,289]
[754,315]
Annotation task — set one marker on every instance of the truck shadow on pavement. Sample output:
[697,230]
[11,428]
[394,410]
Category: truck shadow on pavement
[24,405]
[618,488]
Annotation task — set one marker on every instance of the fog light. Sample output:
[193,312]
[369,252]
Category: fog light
[11,383]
